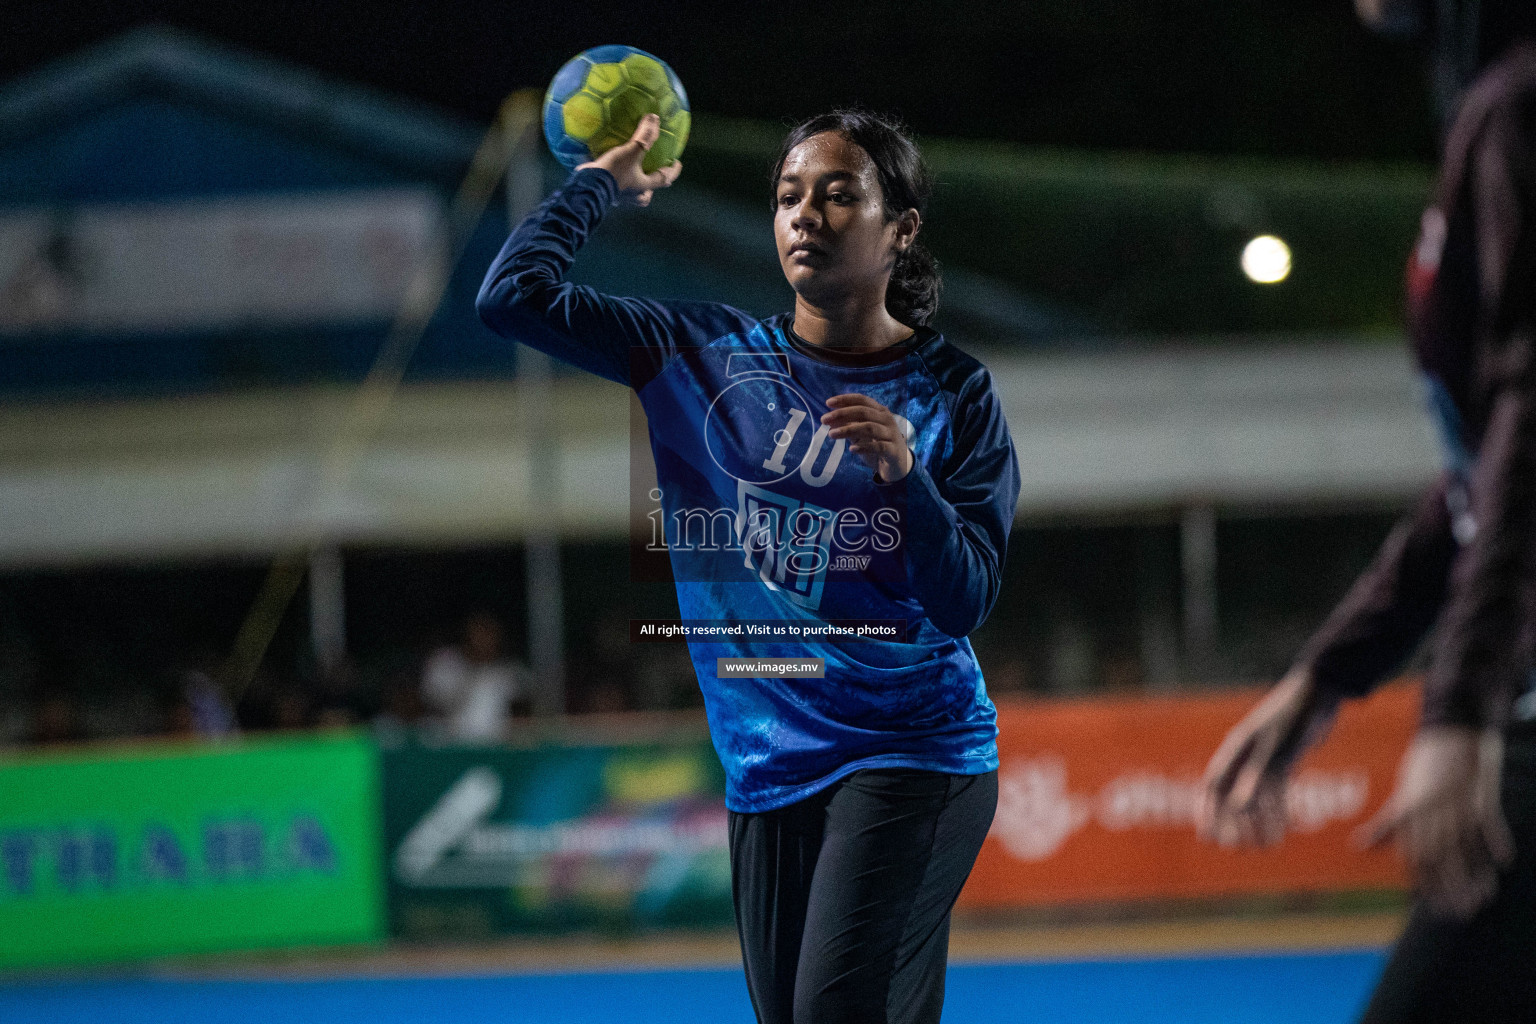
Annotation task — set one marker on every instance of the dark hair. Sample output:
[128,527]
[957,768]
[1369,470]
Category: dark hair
[905,182]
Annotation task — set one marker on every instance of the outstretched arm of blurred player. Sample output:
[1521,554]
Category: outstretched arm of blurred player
[1371,632]
[1444,813]
[1243,799]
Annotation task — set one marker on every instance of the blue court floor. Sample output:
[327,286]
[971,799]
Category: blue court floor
[1298,988]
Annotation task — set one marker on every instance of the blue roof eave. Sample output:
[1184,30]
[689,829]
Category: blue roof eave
[169,61]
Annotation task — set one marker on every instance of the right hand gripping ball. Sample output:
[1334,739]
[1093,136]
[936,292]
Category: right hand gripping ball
[598,98]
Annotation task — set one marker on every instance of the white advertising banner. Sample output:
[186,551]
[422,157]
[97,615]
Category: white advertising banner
[305,259]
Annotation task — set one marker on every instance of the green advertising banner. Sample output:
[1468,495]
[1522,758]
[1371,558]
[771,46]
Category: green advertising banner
[485,841]
[115,853]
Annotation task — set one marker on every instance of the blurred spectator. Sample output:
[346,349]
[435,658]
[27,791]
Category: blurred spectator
[202,708]
[400,711]
[1122,673]
[292,708]
[1072,666]
[602,675]
[339,695]
[1008,676]
[471,685]
[19,671]
[57,719]
[666,677]
[598,696]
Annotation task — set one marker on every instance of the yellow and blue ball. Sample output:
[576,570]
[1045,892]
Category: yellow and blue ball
[598,98]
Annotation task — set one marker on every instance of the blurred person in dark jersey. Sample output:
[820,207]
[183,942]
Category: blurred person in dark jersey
[1461,565]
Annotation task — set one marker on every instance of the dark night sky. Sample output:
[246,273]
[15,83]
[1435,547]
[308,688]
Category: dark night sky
[1272,77]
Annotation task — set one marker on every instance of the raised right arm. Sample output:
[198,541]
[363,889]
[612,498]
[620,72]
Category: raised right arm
[525,295]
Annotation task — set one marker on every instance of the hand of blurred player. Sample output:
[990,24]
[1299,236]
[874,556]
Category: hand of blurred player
[636,187]
[872,432]
[1446,819]
[1243,798]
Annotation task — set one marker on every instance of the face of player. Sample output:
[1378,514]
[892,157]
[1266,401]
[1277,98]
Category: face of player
[835,243]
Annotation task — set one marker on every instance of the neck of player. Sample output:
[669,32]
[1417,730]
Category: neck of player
[852,324]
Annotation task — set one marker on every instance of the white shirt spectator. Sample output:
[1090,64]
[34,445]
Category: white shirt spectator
[472,698]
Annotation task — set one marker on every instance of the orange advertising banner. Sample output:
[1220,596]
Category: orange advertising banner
[1097,802]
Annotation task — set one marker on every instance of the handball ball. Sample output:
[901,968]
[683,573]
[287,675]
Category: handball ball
[598,98]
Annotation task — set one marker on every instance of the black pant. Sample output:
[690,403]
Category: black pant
[843,899]
[1481,971]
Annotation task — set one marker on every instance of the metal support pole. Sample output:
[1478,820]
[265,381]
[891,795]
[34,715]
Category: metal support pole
[1157,608]
[1197,551]
[327,609]
[535,373]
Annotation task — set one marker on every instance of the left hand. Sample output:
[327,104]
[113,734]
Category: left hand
[1243,799]
[872,432]
[1446,818]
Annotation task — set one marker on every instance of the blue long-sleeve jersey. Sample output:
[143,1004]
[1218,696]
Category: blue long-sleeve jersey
[767,520]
